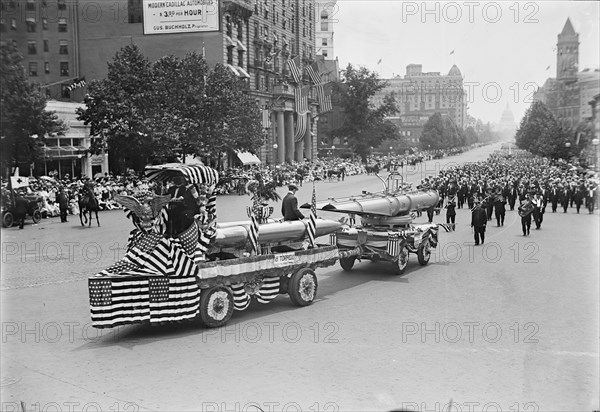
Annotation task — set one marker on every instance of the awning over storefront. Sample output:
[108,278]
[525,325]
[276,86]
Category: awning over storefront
[248,158]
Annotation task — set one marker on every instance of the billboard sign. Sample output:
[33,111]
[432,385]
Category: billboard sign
[183,16]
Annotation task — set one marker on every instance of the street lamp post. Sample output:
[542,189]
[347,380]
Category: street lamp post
[333,150]
[275,147]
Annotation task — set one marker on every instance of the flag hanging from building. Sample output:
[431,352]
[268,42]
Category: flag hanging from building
[312,221]
[301,99]
[80,82]
[317,80]
[301,123]
[294,65]
[271,55]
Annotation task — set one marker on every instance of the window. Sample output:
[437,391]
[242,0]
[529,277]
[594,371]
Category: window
[230,55]
[62,25]
[46,46]
[33,69]
[62,5]
[2,25]
[31,47]
[241,58]
[324,53]
[64,69]
[45,23]
[324,42]
[46,67]
[257,82]
[324,20]
[13,23]
[63,47]
[240,31]
[30,5]
[31,26]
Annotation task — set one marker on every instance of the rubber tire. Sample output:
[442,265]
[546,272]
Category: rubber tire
[226,309]
[347,263]
[424,253]
[401,263]
[8,219]
[298,291]
[36,216]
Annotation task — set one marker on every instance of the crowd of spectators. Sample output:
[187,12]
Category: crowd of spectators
[233,180]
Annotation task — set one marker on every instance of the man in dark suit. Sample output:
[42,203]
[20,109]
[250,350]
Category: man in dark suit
[182,206]
[289,206]
[565,197]
[512,196]
[554,195]
[478,222]
[20,209]
[499,207]
[63,204]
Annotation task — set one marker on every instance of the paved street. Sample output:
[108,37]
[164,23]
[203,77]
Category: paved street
[512,325]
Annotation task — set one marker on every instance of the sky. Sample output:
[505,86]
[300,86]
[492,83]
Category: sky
[502,48]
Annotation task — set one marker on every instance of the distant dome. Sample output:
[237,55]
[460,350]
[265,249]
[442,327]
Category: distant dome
[507,120]
[454,71]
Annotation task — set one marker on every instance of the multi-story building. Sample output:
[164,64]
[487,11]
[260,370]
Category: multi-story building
[324,24]
[67,41]
[421,94]
[567,95]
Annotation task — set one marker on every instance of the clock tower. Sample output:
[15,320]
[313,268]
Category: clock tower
[567,53]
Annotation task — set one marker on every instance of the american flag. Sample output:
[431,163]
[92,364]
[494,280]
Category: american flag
[155,281]
[393,244]
[301,124]
[133,299]
[324,101]
[301,99]
[312,221]
[294,65]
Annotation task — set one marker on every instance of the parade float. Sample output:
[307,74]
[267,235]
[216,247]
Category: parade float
[386,230]
[210,269]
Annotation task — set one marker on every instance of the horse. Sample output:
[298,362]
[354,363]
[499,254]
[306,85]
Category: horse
[88,203]
[334,173]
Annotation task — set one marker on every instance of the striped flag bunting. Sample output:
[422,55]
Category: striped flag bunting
[301,123]
[135,299]
[323,100]
[314,75]
[312,220]
[393,244]
[268,291]
[294,66]
[301,99]
[448,227]
[254,225]
[77,83]
[326,104]
[197,174]
[333,239]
